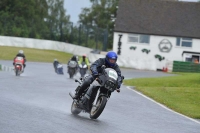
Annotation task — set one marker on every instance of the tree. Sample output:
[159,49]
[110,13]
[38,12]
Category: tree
[18,16]
[57,20]
[100,14]
[44,19]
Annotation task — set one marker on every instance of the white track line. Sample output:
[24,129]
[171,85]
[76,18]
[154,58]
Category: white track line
[162,105]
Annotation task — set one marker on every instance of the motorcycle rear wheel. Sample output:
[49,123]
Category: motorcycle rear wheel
[74,109]
[17,72]
[98,109]
[71,73]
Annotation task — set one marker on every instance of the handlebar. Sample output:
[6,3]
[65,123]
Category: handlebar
[76,80]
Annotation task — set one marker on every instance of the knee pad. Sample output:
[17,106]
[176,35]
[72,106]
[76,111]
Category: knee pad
[87,81]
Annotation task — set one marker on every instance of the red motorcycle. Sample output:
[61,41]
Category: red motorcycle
[19,65]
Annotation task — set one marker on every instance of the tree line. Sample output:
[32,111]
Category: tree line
[33,18]
[47,19]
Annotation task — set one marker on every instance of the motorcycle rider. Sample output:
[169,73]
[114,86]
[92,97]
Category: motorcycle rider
[55,63]
[84,59]
[110,62]
[74,58]
[20,54]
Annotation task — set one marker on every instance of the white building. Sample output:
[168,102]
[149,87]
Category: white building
[155,33]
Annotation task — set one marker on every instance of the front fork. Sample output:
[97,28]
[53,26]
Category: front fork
[95,101]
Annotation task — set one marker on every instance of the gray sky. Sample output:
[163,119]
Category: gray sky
[73,7]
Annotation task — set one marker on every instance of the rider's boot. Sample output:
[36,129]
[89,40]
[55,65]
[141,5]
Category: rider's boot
[84,103]
[78,93]
[80,89]
[86,82]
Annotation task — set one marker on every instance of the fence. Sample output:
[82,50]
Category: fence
[89,36]
[179,66]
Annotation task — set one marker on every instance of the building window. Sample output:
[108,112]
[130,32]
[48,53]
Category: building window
[137,38]
[184,42]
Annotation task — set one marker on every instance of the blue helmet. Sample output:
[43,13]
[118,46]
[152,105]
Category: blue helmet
[113,56]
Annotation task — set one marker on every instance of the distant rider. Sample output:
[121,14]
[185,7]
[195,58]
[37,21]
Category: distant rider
[55,64]
[74,58]
[20,54]
[84,59]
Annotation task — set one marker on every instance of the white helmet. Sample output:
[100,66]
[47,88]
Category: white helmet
[21,52]
[55,60]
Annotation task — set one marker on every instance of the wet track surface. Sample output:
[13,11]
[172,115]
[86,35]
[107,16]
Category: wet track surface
[38,101]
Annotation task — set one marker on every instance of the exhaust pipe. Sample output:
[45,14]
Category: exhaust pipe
[71,94]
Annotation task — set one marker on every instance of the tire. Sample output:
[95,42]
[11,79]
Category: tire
[82,72]
[74,109]
[82,75]
[96,111]
[17,72]
[71,73]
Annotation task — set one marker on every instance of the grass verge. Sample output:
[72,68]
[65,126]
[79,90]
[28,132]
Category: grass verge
[35,55]
[180,93]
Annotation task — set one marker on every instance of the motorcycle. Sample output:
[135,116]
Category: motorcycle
[72,68]
[83,69]
[19,65]
[100,91]
[59,69]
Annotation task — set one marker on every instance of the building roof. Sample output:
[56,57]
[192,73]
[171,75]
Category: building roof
[156,17]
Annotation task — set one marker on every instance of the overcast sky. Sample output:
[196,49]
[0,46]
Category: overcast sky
[73,7]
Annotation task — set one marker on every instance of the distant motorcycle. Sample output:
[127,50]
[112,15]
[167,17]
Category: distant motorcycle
[59,69]
[83,69]
[100,90]
[72,68]
[19,65]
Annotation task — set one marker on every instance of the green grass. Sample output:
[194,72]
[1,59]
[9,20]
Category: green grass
[35,55]
[180,93]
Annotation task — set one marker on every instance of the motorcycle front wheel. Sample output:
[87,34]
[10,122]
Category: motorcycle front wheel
[98,108]
[74,109]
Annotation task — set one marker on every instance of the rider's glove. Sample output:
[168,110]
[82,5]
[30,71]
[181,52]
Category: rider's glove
[94,74]
[118,87]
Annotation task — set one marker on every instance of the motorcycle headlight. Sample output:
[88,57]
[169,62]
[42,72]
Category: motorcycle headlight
[110,85]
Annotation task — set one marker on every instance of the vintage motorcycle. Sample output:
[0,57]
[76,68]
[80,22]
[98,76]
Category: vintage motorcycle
[19,65]
[72,68]
[101,87]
